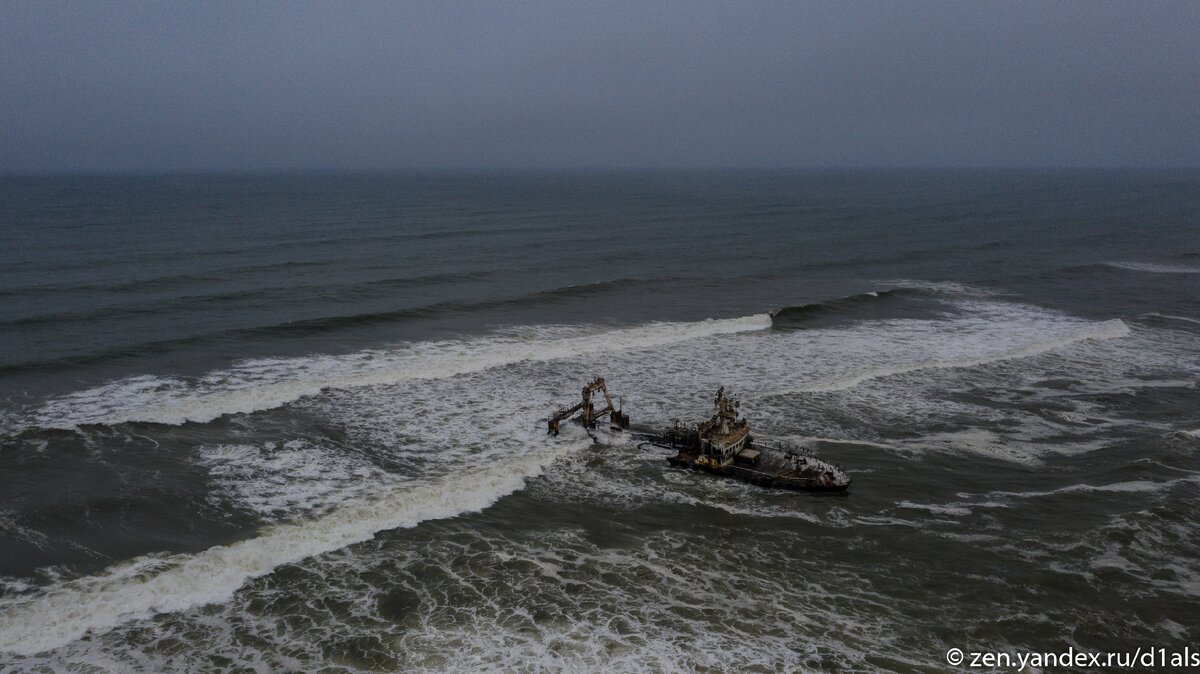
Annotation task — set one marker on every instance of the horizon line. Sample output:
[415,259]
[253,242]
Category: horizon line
[482,170]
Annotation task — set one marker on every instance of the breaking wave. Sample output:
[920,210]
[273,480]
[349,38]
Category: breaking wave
[1132,486]
[1153,268]
[1170,317]
[163,308]
[871,302]
[67,611]
[1110,329]
[279,480]
[268,383]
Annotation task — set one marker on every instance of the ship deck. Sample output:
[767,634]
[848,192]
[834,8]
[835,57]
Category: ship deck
[774,470]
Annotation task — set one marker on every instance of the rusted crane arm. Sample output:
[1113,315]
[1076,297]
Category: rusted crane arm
[589,414]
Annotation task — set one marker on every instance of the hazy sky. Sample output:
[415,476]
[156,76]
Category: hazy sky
[134,86]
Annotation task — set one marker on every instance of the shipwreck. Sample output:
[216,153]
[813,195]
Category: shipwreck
[585,412]
[723,445]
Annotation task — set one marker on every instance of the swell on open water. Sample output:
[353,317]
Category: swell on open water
[296,423]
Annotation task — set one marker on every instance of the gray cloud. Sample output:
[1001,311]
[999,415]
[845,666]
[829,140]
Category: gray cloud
[230,85]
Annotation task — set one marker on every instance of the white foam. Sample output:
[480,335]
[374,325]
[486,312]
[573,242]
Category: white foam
[949,287]
[1172,317]
[809,440]
[991,444]
[9,523]
[262,384]
[413,428]
[676,610]
[11,586]
[953,510]
[1153,268]
[1110,329]
[1147,545]
[65,612]
[1131,486]
[851,386]
[297,476]
[1173,628]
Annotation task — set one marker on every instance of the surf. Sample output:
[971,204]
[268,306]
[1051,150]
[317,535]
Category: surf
[268,383]
[65,612]
[1111,329]
[1152,268]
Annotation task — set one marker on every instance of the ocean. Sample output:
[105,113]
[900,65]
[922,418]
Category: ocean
[297,422]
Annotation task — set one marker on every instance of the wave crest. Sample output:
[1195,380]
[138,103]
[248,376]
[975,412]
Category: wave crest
[1152,268]
[263,384]
[1110,329]
[67,611]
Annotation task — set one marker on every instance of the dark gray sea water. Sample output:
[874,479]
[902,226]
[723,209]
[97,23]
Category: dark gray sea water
[295,423]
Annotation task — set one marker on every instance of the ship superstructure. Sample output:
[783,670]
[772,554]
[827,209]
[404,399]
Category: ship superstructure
[723,445]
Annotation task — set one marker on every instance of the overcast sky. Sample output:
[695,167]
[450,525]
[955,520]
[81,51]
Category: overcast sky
[131,86]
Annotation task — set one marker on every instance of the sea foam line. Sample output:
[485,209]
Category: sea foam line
[1173,318]
[264,384]
[1154,268]
[67,611]
[1110,329]
[1131,486]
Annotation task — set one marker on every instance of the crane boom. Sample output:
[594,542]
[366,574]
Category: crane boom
[588,414]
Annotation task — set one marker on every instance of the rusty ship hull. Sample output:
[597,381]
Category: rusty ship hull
[723,446]
[769,471]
